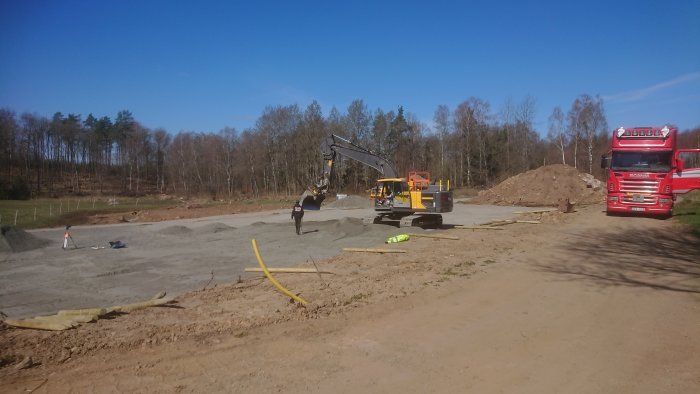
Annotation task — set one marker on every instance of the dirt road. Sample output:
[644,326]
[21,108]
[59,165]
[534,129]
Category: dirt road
[582,303]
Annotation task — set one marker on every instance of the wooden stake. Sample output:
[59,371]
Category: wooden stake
[540,211]
[283,270]
[478,228]
[374,250]
[139,305]
[433,236]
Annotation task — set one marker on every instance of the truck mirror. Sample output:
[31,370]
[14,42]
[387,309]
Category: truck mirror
[603,162]
[679,165]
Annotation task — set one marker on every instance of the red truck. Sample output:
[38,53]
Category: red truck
[645,171]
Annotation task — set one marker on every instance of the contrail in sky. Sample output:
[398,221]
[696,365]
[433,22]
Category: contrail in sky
[639,94]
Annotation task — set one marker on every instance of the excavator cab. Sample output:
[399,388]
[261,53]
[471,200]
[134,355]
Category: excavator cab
[391,193]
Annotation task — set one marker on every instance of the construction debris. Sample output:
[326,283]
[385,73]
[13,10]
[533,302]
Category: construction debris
[90,311]
[27,362]
[72,318]
[39,324]
[566,206]
[370,250]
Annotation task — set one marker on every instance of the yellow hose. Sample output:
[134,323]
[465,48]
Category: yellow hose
[272,279]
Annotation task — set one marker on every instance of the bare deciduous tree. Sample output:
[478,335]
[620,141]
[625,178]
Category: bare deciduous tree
[557,131]
[442,130]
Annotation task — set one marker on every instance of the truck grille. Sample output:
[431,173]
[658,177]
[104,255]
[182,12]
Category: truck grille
[639,191]
[639,185]
[643,200]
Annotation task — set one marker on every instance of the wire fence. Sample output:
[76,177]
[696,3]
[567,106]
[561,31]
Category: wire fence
[35,213]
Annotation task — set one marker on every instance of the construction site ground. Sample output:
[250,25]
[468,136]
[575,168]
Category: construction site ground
[579,303]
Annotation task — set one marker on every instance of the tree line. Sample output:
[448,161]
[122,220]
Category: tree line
[471,146]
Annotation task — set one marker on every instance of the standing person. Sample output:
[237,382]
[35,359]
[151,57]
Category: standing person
[297,214]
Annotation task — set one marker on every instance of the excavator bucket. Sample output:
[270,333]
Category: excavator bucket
[312,202]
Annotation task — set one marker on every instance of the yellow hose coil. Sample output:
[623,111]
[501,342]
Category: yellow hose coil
[272,279]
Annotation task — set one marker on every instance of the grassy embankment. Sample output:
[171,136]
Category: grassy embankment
[42,213]
[688,210]
[46,213]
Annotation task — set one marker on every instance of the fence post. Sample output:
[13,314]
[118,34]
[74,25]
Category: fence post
[35,214]
[16,212]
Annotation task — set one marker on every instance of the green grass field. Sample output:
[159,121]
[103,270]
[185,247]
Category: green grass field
[688,210]
[43,213]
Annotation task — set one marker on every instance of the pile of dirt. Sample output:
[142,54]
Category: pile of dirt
[215,228]
[176,230]
[545,186]
[14,239]
[350,202]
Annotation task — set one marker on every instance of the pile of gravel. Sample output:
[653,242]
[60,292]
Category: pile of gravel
[14,239]
[350,202]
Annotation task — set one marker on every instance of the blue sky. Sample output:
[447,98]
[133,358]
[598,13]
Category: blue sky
[201,66]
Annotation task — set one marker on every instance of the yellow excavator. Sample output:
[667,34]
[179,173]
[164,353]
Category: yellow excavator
[410,201]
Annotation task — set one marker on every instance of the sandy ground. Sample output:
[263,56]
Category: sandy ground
[582,303]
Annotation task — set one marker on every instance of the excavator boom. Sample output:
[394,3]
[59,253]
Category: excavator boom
[331,147]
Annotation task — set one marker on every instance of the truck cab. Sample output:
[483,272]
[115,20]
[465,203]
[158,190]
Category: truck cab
[645,171]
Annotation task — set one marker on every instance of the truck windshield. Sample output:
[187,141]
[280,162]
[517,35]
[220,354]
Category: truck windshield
[641,161]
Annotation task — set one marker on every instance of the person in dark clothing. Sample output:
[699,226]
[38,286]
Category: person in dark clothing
[297,214]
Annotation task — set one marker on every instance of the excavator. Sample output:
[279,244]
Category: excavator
[410,201]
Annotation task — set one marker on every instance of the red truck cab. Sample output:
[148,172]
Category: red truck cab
[645,171]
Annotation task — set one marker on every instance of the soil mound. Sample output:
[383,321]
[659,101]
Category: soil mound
[14,239]
[348,227]
[351,202]
[545,186]
[176,230]
[215,228]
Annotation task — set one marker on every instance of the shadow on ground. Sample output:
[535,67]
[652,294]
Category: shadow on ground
[640,258]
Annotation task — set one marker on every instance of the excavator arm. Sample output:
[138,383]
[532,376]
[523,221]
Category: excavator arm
[331,147]
[334,145]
